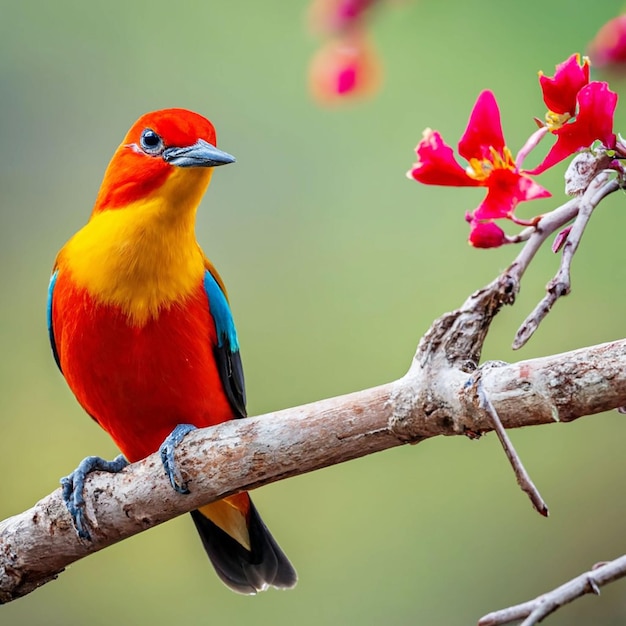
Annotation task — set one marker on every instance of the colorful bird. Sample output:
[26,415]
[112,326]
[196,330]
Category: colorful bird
[142,331]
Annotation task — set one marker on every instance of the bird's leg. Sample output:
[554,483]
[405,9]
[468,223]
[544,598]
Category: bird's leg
[74,485]
[167,450]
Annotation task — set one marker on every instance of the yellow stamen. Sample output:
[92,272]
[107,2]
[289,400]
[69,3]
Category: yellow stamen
[554,121]
[481,169]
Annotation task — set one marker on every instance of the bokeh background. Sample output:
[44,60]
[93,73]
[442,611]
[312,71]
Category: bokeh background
[336,265]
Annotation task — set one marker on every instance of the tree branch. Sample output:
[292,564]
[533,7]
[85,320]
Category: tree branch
[533,611]
[36,545]
[560,285]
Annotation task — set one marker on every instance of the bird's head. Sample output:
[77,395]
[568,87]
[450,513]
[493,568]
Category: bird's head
[171,152]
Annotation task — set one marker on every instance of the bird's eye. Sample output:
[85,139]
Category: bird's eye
[151,143]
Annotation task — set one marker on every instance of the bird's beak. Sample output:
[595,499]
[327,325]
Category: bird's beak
[201,154]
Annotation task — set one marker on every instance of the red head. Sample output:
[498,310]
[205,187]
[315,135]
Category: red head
[158,144]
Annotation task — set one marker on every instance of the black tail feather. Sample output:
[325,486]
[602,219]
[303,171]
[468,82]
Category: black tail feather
[246,571]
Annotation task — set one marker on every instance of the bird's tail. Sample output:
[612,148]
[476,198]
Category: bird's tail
[245,555]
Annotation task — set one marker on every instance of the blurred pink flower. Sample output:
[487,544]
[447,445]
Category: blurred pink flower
[335,16]
[345,67]
[608,47]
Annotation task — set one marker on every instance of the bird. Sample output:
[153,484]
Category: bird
[141,328]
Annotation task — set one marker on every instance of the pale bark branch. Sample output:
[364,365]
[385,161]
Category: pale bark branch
[534,611]
[600,186]
[36,545]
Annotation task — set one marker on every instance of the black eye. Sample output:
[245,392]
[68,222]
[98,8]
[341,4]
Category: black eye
[150,142]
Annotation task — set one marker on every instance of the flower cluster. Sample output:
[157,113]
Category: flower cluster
[580,113]
[347,64]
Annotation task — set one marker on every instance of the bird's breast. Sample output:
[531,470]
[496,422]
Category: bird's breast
[142,259]
[139,381]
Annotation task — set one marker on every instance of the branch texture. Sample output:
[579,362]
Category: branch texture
[36,545]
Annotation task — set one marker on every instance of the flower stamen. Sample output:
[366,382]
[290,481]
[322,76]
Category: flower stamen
[554,121]
[481,169]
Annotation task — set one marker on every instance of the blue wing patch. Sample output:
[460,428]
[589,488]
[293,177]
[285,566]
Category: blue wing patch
[226,352]
[53,281]
[220,310]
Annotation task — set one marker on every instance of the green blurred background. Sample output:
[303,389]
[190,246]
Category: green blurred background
[336,264]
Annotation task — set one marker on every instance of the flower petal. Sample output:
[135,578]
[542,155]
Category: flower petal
[486,235]
[560,239]
[596,107]
[436,164]
[484,130]
[507,189]
[560,91]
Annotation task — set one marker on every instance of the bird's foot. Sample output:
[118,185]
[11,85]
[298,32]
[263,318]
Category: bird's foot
[74,485]
[167,450]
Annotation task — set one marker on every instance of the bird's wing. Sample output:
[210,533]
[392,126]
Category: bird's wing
[53,344]
[227,348]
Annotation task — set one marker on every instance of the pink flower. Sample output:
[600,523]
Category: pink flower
[560,91]
[347,67]
[486,235]
[490,165]
[335,16]
[593,122]
[609,45]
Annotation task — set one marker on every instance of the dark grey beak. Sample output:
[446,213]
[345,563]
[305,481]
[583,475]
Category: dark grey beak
[201,154]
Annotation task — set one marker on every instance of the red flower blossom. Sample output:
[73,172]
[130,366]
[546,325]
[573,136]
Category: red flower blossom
[560,91]
[593,122]
[486,235]
[436,164]
[490,165]
[609,45]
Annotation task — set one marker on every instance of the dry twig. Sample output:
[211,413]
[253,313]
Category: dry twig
[560,285]
[523,479]
[533,611]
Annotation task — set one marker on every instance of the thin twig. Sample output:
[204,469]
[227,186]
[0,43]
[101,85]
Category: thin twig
[547,225]
[533,611]
[522,476]
[560,285]
[531,143]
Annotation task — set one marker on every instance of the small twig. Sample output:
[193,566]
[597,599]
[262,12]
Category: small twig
[548,224]
[522,476]
[530,145]
[533,611]
[560,285]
